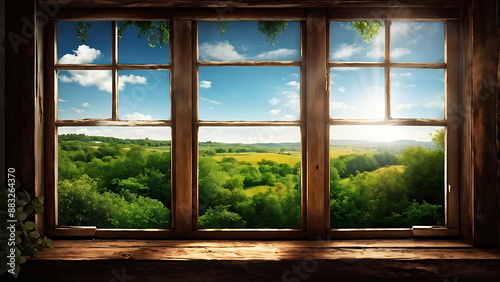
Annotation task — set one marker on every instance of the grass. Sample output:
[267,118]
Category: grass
[254,190]
[254,158]
[340,151]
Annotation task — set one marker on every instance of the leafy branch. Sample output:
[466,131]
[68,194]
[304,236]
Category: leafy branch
[368,29]
[28,241]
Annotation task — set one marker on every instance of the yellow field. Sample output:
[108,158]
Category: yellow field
[254,190]
[400,168]
[254,158]
[336,151]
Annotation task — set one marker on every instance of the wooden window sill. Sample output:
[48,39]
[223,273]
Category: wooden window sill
[202,260]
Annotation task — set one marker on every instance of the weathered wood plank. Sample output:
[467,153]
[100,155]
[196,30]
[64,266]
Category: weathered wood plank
[182,99]
[249,64]
[108,122]
[485,87]
[228,5]
[203,270]
[393,13]
[393,121]
[369,243]
[317,116]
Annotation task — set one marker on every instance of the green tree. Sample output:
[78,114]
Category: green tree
[219,217]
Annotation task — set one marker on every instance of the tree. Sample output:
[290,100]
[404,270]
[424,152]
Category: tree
[219,217]
[438,139]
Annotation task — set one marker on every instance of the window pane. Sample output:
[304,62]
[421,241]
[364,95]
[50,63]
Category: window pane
[347,44]
[417,42]
[383,176]
[144,95]
[417,93]
[249,177]
[249,41]
[113,177]
[84,94]
[357,93]
[249,93]
[147,47]
[93,48]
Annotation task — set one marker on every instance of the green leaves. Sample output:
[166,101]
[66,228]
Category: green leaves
[27,241]
[155,33]
[271,29]
[368,29]
[82,30]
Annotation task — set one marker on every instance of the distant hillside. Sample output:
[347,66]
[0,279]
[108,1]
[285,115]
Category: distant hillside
[397,143]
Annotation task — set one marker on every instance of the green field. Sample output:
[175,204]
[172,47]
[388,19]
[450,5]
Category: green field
[400,168]
[340,151]
[254,158]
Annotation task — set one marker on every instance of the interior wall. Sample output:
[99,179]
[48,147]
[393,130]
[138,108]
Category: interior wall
[2,92]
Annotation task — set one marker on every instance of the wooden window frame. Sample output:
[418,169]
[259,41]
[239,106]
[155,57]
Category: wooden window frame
[450,67]
[314,123]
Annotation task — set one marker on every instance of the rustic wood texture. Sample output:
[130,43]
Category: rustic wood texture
[182,98]
[485,87]
[393,13]
[2,92]
[317,116]
[452,184]
[249,64]
[254,270]
[109,122]
[392,121]
[110,67]
[226,5]
[20,92]
[460,117]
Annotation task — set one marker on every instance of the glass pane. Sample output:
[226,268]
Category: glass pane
[249,93]
[92,48]
[84,94]
[417,42]
[386,176]
[249,41]
[113,177]
[249,177]
[357,93]
[144,95]
[417,93]
[146,46]
[347,43]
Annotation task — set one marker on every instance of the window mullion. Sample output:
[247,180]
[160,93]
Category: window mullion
[114,63]
[387,70]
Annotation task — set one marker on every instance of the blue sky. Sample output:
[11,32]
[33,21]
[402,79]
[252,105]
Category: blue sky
[253,93]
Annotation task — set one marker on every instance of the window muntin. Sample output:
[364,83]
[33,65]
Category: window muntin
[110,176]
[249,174]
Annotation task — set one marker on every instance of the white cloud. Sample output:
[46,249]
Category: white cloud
[409,86]
[99,78]
[288,117]
[400,52]
[294,84]
[78,110]
[62,111]
[340,106]
[64,78]
[281,53]
[406,106]
[86,105]
[396,84]
[347,69]
[219,51]
[211,108]
[83,55]
[210,101]
[413,32]
[138,116]
[341,89]
[435,104]
[346,51]
[295,74]
[406,74]
[62,100]
[274,101]
[376,53]
[205,84]
[275,112]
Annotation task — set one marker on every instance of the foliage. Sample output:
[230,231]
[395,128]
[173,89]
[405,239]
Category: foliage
[222,26]
[438,139]
[368,29]
[219,217]
[271,29]
[28,241]
[82,31]
[156,33]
